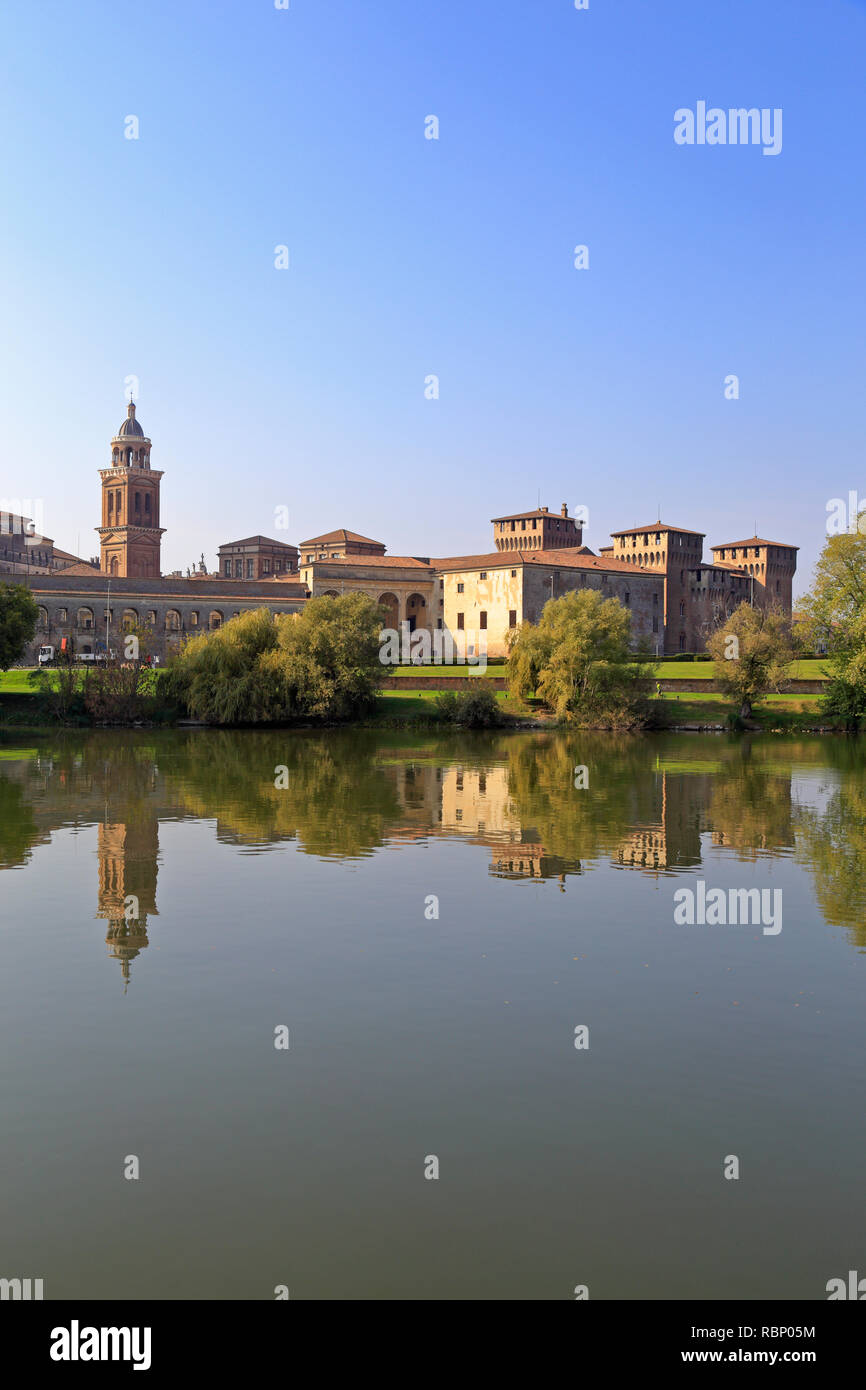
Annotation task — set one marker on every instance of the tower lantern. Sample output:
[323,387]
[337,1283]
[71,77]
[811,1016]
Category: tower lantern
[130,534]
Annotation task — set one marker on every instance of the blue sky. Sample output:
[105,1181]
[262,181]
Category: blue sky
[304,388]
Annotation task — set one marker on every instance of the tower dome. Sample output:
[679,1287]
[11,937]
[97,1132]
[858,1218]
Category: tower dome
[130,425]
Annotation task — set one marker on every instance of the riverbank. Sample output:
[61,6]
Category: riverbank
[693,712]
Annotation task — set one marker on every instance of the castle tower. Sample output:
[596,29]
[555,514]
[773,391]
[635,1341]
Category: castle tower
[770,565]
[676,553]
[538,530]
[129,537]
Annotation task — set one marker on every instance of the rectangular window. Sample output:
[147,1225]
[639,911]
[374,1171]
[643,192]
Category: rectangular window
[482,621]
[459,622]
[249,569]
[655,624]
[266,566]
[512,617]
[228,573]
[655,599]
[483,574]
[460,588]
[514,574]
[441,585]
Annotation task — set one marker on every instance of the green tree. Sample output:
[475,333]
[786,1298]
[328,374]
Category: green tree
[322,662]
[579,660]
[752,653]
[326,662]
[218,675]
[834,614]
[18,616]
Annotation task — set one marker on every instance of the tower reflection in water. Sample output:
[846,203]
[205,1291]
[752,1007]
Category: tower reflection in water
[128,865]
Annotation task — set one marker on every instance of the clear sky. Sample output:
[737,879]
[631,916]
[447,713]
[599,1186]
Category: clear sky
[305,387]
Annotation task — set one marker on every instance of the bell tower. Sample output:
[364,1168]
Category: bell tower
[130,534]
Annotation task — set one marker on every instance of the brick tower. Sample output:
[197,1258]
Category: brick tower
[129,537]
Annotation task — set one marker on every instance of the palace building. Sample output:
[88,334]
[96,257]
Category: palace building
[657,572]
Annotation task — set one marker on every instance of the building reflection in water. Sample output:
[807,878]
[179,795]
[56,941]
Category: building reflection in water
[654,807]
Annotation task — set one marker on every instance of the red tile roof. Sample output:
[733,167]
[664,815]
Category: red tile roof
[332,537]
[258,540]
[753,540]
[539,511]
[548,559]
[658,526]
[373,562]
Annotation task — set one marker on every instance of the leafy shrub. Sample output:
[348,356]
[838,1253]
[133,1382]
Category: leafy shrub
[474,707]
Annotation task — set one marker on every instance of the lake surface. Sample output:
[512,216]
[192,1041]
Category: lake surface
[170,900]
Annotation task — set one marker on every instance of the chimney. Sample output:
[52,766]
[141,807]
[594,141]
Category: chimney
[564,511]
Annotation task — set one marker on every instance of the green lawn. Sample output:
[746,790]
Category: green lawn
[811,670]
[773,712]
[16,682]
[434,672]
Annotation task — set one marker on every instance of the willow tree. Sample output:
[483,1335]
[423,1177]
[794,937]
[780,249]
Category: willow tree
[752,653]
[579,660]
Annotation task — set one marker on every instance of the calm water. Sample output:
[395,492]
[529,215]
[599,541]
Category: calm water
[412,1035]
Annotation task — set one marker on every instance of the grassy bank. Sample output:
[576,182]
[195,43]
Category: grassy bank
[19,707]
[16,681]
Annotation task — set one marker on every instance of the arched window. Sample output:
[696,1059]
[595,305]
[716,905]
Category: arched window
[215,620]
[193,619]
[138,502]
[172,620]
[42,619]
[129,619]
[147,504]
[84,618]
